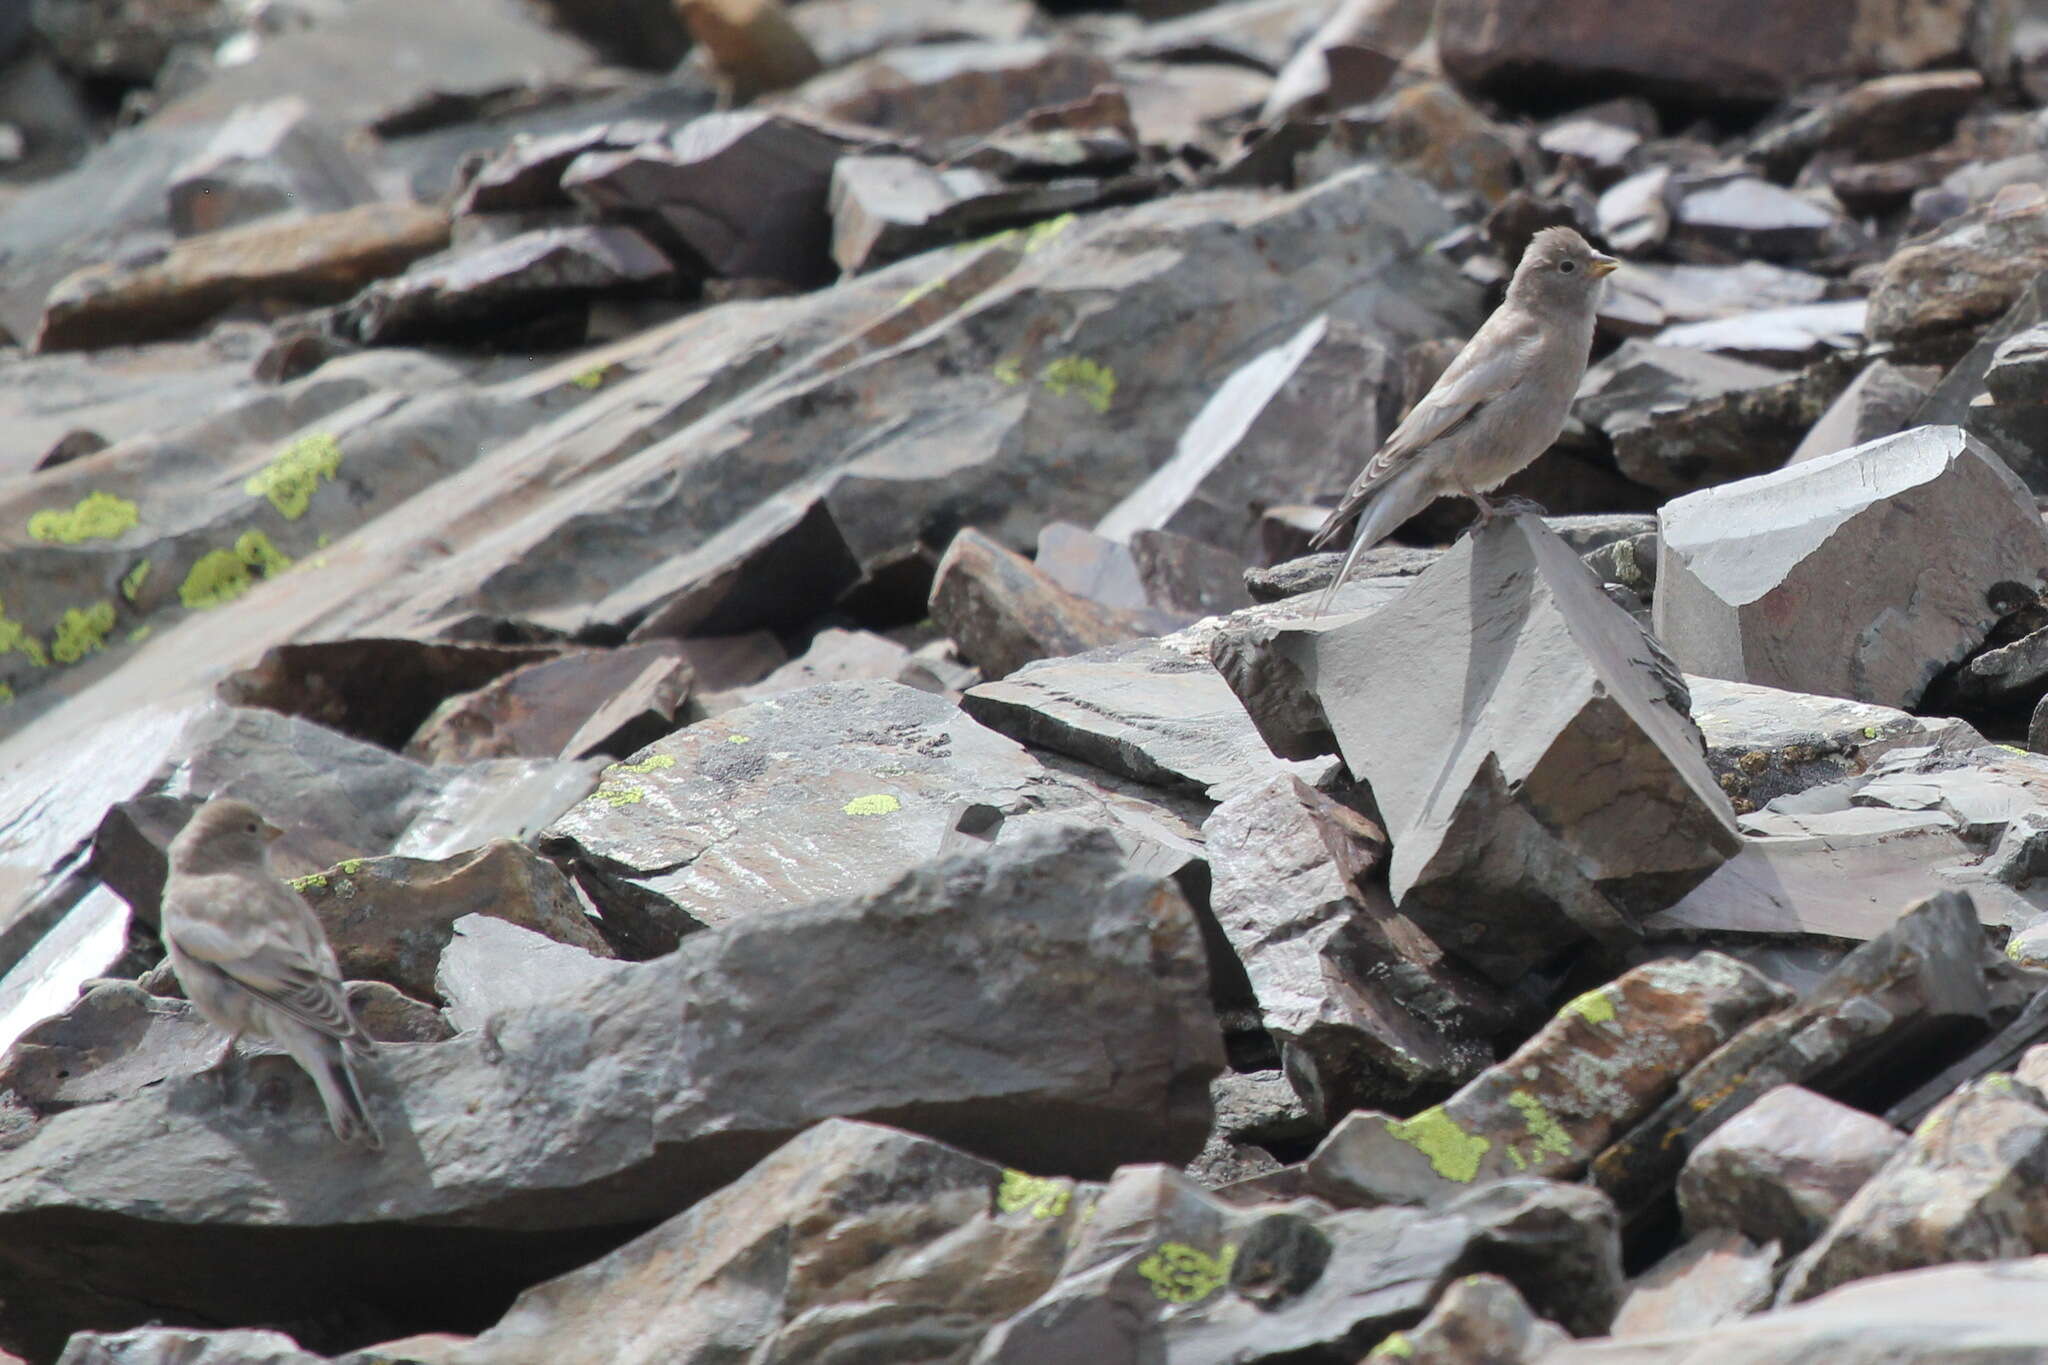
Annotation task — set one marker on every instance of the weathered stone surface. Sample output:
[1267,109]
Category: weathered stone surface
[887,207]
[1511,840]
[834,655]
[1893,116]
[1869,1021]
[944,93]
[1783,1168]
[470,294]
[585,704]
[1479,1318]
[843,31]
[115,1040]
[1004,613]
[1368,1012]
[1880,401]
[611,1102]
[267,159]
[526,173]
[1776,336]
[1606,1060]
[1757,54]
[1952,1315]
[390,918]
[304,261]
[1716,1277]
[1393,30]
[1971,1185]
[1432,132]
[1965,277]
[489,964]
[777,567]
[1643,298]
[1784,579]
[1744,215]
[186,1346]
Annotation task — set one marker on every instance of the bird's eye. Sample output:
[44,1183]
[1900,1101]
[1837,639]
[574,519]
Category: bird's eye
[251,827]
[1567,267]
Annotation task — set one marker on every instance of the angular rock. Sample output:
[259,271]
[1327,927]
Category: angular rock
[1004,613]
[390,918]
[834,655]
[1186,577]
[1964,278]
[1743,215]
[1866,1026]
[1479,1318]
[266,159]
[634,1096]
[1893,116]
[1880,401]
[1605,1061]
[1776,336]
[490,963]
[1435,134]
[115,1040]
[472,294]
[2010,673]
[945,93]
[1560,1244]
[302,262]
[187,1346]
[1645,297]
[526,174]
[1969,1186]
[1783,1168]
[1510,841]
[584,704]
[1714,1278]
[843,31]
[887,207]
[1741,568]
[1393,30]
[1092,136]
[1366,1009]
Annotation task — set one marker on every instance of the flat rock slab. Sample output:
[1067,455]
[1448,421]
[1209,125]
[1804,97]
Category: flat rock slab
[1037,1002]
[1817,577]
[1558,789]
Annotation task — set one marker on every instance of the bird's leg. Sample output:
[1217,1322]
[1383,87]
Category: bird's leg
[1486,511]
[1520,506]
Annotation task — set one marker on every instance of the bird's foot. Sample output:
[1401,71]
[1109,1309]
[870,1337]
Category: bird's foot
[1520,506]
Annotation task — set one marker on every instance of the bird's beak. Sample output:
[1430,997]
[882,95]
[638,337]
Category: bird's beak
[271,833]
[1602,266]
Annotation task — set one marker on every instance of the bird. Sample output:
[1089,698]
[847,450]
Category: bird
[253,959]
[1499,404]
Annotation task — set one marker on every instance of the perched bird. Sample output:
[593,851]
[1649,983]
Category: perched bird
[1499,405]
[253,959]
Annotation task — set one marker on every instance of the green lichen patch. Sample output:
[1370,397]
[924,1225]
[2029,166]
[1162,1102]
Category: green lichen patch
[593,378]
[132,581]
[1095,383]
[15,639]
[1040,1196]
[1547,1133]
[312,881]
[880,803]
[220,576]
[1039,235]
[1180,1273]
[290,480]
[1453,1153]
[98,516]
[622,794]
[739,739]
[80,631]
[1010,370]
[6,694]
[653,763]
[140,633]
[1397,1346]
[1595,1006]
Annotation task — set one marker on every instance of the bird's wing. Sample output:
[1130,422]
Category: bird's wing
[1490,365]
[265,940]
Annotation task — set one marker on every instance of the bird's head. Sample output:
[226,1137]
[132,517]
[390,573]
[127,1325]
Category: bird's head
[223,833]
[1560,273]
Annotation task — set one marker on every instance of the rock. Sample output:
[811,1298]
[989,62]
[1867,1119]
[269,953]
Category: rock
[267,159]
[776,567]
[1880,401]
[1714,1278]
[834,655]
[2009,673]
[1776,336]
[844,31]
[1435,134]
[1520,49]
[1952,1315]
[1685,419]
[389,1015]
[1480,1317]
[116,1039]
[1743,215]
[190,1346]
[1151,710]
[526,174]
[1296,423]
[1893,116]
[1526,816]
[473,294]
[521,1127]
[585,704]
[1643,298]
[745,191]
[1367,1011]
[1605,1061]
[1735,561]
[943,94]
[303,261]
[1868,1023]
[1091,136]
[1781,1170]
[887,207]
[124,41]
[390,918]
[1633,214]
[490,963]
[753,45]
[1391,28]
[1253,1109]
[1965,277]
[1630,563]
[1966,1187]
[1004,613]
[1186,577]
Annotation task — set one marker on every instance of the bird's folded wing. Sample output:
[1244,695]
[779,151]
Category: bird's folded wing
[280,973]
[1488,367]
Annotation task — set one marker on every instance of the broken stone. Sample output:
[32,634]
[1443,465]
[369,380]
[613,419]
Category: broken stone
[1394,31]
[1004,613]
[887,207]
[1781,1170]
[1517,818]
[1880,401]
[1480,1317]
[116,1039]
[526,174]
[1893,116]
[1714,1278]
[1776,336]
[776,567]
[834,655]
[1186,577]
[1643,298]
[946,94]
[1432,132]
[302,262]
[473,294]
[1735,564]
[266,159]
[1092,136]
[584,704]
[489,963]
[1605,1061]
[1966,277]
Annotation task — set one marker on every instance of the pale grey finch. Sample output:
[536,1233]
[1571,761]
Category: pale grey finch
[253,959]
[1498,406]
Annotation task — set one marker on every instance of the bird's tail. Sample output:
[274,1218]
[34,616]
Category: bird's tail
[331,1064]
[1395,502]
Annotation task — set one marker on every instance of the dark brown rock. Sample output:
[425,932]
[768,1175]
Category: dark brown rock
[579,705]
[1004,613]
[1783,1168]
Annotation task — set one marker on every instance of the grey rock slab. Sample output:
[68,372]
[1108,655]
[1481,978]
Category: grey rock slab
[114,1041]
[1524,817]
[1147,710]
[1880,401]
[1039,1004]
[2014,672]
[1965,276]
[491,964]
[1714,1278]
[1747,215]
[1645,296]
[834,655]
[1003,612]
[1804,579]
[1783,1168]
[187,1346]
[1775,336]
[269,158]
[1479,1316]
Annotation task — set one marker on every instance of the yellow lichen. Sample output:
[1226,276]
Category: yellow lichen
[1548,1133]
[1595,1006]
[616,796]
[1397,1346]
[739,739]
[880,803]
[592,378]
[1452,1152]
[1010,370]
[1183,1274]
[1040,234]
[653,763]
[290,480]
[312,881]
[132,581]
[80,632]
[220,576]
[6,694]
[98,516]
[15,638]
[1041,1196]
[1094,383]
